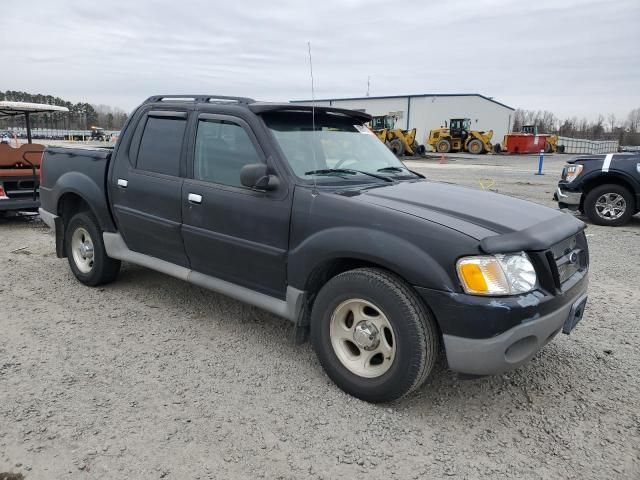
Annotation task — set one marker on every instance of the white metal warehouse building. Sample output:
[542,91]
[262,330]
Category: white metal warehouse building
[427,111]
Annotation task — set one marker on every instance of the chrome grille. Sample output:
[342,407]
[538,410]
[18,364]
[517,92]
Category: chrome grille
[570,256]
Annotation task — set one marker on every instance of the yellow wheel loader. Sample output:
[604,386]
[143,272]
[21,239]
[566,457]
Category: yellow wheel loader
[400,142]
[552,140]
[458,137]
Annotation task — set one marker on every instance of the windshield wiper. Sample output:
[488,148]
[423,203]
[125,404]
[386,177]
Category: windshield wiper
[400,169]
[347,170]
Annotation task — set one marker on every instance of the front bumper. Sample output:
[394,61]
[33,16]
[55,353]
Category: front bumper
[567,198]
[510,349]
[490,335]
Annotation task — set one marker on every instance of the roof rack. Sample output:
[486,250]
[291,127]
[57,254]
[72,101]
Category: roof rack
[199,98]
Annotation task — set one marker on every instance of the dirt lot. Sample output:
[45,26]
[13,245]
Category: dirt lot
[150,377]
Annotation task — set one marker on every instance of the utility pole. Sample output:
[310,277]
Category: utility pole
[368,84]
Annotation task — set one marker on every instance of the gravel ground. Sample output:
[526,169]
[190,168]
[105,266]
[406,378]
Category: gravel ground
[150,377]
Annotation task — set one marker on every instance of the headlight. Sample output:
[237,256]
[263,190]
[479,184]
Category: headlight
[497,274]
[572,172]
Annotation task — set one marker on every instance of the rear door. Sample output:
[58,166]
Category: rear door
[146,186]
[233,232]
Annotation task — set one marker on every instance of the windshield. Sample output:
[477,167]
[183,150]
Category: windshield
[340,148]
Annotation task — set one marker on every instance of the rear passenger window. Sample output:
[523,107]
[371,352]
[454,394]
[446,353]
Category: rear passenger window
[161,145]
[222,149]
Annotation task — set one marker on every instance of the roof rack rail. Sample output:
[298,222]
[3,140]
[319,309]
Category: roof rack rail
[198,98]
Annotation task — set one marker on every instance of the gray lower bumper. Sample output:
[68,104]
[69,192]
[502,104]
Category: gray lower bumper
[489,356]
[48,218]
[568,198]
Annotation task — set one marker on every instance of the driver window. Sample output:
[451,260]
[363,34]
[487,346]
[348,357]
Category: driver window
[222,149]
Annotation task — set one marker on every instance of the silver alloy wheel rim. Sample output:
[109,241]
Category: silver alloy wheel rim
[362,338]
[610,206]
[82,249]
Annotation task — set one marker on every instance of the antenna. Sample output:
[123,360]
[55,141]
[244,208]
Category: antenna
[368,84]
[313,119]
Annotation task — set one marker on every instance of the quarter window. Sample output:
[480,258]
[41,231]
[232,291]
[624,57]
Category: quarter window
[161,145]
[222,149]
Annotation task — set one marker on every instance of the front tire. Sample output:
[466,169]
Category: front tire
[397,147]
[372,335]
[475,147]
[85,251]
[610,204]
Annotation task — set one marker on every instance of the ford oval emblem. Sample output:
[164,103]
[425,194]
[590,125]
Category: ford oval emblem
[573,257]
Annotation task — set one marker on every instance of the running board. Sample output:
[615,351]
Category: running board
[289,308]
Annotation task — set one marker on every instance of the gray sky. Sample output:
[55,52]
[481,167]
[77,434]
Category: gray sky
[572,57]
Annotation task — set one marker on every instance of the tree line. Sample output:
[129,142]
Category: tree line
[625,130]
[81,116]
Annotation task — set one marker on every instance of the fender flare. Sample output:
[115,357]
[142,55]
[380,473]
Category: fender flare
[378,247]
[83,186]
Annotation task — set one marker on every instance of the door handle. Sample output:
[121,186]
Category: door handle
[122,183]
[195,198]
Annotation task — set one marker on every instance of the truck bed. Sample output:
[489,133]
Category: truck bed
[66,170]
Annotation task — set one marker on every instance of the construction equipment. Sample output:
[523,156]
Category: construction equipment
[400,142]
[552,140]
[459,137]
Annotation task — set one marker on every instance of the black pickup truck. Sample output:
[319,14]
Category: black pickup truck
[303,212]
[606,188]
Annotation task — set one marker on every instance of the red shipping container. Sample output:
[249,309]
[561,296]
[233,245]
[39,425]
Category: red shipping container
[524,143]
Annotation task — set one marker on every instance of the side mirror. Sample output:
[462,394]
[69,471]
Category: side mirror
[256,175]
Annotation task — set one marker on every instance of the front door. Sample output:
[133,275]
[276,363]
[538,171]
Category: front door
[230,231]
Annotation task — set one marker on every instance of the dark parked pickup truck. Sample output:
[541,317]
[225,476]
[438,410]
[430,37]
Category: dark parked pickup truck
[303,212]
[606,188]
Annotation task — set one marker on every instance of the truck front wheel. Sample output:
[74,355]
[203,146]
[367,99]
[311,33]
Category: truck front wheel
[475,147]
[85,251]
[609,204]
[372,335]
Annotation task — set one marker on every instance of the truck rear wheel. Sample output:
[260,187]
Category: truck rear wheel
[475,146]
[443,146]
[85,251]
[372,335]
[609,204]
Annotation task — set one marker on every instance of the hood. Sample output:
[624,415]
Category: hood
[614,156]
[477,213]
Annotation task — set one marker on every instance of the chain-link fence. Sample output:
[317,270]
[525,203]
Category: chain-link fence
[579,145]
[58,134]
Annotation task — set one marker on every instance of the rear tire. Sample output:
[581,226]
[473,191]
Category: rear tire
[406,335]
[396,147]
[609,204]
[85,251]
[443,146]
[475,147]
